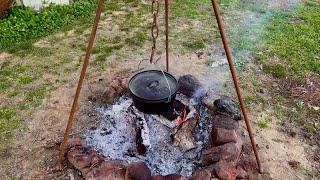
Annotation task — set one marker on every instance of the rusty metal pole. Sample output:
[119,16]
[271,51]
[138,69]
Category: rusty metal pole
[167,32]
[81,78]
[235,79]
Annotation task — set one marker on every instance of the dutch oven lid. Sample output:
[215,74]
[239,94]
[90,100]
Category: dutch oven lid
[152,85]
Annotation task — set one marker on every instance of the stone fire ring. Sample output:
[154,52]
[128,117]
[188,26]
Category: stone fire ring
[220,160]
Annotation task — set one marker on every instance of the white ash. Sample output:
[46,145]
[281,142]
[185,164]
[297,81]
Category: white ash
[115,139]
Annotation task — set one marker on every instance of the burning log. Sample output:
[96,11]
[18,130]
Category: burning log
[183,135]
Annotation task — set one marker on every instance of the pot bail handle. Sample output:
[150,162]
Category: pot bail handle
[165,77]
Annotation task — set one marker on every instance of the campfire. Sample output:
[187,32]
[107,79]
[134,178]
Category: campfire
[193,138]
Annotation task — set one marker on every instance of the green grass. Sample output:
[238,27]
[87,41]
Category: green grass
[195,45]
[26,25]
[294,38]
[25,79]
[311,128]
[263,123]
[8,122]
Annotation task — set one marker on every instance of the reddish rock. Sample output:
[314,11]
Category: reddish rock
[225,122]
[248,165]
[158,177]
[201,175]
[76,142]
[138,171]
[82,158]
[125,83]
[242,174]
[113,169]
[79,157]
[188,85]
[174,177]
[116,85]
[229,152]
[221,136]
[226,171]
[109,95]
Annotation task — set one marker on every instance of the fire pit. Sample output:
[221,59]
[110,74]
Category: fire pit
[183,141]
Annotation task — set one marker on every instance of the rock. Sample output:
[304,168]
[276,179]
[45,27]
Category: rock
[138,171]
[125,83]
[201,175]
[228,152]
[75,142]
[174,177]
[116,85]
[113,169]
[242,174]
[79,157]
[294,164]
[225,122]
[248,165]
[221,136]
[158,177]
[184,137]
[82,158]
[92,98]
[188,85]
[226,106]
[226,171]
[109,94]
[208,104]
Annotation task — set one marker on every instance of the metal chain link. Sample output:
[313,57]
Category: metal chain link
[155,29]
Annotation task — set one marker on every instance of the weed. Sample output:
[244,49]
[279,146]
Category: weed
[137,40]
[35,96]
[263,123]
[25,79]
[311,128]
[4,83]
[8,122]
[277,70]
[195,45]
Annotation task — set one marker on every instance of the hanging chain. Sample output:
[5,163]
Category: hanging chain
[155,28]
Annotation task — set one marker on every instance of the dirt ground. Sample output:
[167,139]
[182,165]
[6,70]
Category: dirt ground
[32,152]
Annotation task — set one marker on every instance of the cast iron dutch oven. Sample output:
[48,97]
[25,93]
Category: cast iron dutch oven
[153,91]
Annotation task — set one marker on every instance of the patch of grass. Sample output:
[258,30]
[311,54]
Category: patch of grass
[294,38]
[263,123]
[311,128]
[8,122]
[25,24]
[25,79]
[195,45]
[100,58]
[138,39]
[4,83]
[35,96]
[191,9]
[276,69]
